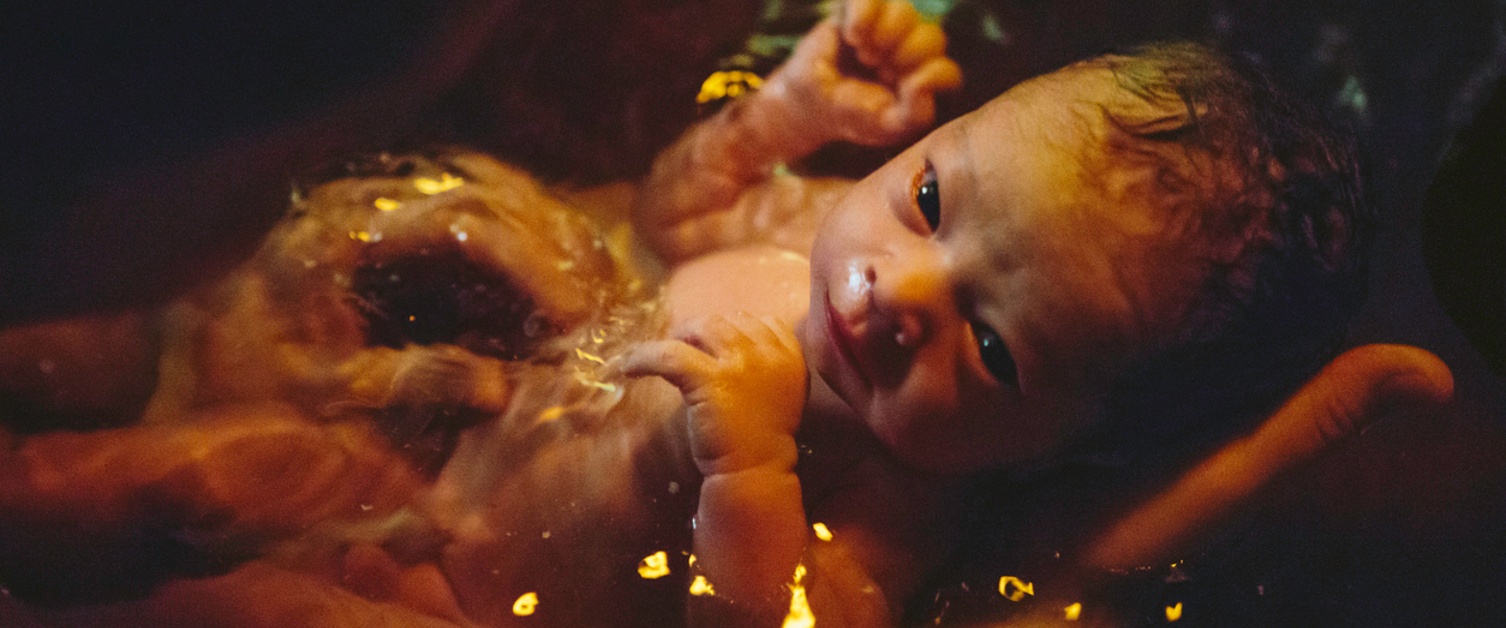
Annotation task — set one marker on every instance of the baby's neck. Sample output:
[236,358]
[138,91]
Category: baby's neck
[835,439]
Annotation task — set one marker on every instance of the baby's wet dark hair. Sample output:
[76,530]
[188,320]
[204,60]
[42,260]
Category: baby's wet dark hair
[1276,201]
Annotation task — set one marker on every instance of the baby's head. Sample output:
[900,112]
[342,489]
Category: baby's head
[1135,241]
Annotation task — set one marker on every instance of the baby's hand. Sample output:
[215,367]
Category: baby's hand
[870,74]
[744,383]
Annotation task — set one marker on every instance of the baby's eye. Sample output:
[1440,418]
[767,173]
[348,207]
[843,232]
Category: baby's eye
[994,353]
[928,196]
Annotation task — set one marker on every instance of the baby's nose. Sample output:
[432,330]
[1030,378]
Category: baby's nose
[910,295]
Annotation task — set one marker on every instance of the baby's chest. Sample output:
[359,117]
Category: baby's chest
[759,280]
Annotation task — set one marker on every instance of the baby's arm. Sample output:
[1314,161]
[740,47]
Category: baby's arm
[868,76]
[744,384]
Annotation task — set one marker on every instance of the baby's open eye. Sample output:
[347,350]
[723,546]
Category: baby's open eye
[995,353]
[928,196]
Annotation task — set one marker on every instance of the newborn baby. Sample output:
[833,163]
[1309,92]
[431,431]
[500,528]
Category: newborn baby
[1153,246]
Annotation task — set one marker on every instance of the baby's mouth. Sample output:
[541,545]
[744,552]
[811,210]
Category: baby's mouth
[843,339]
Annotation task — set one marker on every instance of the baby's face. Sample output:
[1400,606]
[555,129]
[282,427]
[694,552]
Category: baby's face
[973,298]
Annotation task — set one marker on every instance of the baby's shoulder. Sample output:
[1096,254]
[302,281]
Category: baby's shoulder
[760,280]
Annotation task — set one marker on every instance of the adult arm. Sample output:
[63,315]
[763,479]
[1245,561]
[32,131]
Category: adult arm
[1358,387]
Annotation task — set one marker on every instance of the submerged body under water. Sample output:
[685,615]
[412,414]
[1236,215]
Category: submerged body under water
[381,416]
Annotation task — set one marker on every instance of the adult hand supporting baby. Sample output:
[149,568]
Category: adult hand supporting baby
[1358,387]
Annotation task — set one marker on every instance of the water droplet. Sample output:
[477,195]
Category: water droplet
[535,325]
[367,507]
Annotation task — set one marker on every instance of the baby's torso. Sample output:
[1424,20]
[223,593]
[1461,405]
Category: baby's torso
[760,280]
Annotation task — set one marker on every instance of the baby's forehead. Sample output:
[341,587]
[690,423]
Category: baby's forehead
[1083,103]
[1065,112]
[1082,123]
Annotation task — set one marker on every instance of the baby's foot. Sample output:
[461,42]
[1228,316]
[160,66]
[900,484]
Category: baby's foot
[870,74]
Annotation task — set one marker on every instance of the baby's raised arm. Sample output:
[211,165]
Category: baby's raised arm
[867,76]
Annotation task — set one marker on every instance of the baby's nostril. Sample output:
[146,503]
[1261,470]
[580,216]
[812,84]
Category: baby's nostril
[438,297]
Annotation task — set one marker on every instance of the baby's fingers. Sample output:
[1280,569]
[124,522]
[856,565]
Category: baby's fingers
[858,18]
[680,364]
[921,44]
[890,26]
[940,74]
[915,109]
[715,335]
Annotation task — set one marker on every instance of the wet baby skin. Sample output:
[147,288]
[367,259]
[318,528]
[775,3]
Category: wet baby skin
[970,304]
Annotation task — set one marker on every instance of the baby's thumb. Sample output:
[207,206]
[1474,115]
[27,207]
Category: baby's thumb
[822,42]
[1354,390]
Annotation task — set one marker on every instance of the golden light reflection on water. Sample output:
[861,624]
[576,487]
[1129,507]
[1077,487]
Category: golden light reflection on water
[700,586]
[1071,613]
[654,566]
[526,604]
[444,183]
[727,84]
[822,532]
[386,204]
[800,615]
[589,357]
[1174,612]
[1015,589]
